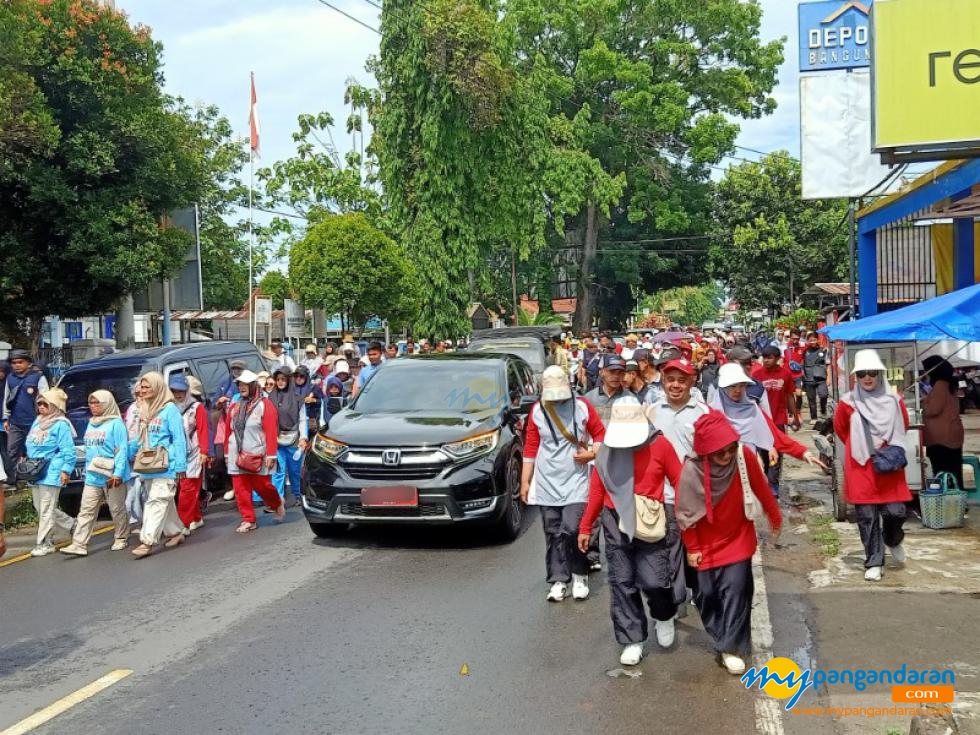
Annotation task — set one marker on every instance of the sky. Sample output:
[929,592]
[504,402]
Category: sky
[303,53]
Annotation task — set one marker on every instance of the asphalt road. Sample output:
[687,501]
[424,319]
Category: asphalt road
[279,632]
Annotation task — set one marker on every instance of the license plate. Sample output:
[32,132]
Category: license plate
[396,496]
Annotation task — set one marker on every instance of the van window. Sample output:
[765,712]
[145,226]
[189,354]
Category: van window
[211,373]
[254,362]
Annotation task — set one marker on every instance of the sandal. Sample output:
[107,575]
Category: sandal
[281,511]
[175,541]
[142,551]
[245,527]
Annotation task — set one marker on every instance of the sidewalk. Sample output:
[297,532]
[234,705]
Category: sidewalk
[923,614]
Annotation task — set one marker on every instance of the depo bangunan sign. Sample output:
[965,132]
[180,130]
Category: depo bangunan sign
[834,34]
[926,76]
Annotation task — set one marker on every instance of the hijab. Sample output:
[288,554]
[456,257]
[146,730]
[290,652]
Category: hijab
[617,471]
[747,418]
[879,411]
[287,402]
[160,396]
[704,483]
[55,412]
[303,390]
[110,410]
[246,406]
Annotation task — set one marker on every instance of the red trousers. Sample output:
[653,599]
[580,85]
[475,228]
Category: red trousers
[262,484]
[189,499]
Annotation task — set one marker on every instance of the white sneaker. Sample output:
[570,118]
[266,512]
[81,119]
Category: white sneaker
[580,586]
[74,549]
[631,654]
[873,574]
[120,544]
[43,550]
[733,664]
[230,495]
[558,592]
[196,524]
[186,532]
[665,633]
[898,553]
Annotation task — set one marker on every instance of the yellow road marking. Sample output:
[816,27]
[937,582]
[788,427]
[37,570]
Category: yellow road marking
[66,703]
[60,545]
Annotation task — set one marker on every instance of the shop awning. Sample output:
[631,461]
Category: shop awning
[953,316]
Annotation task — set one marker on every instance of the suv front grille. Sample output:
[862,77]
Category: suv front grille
[426,472]
[413,464]
[422,511]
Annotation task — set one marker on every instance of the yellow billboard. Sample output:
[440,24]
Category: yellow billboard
[926,73]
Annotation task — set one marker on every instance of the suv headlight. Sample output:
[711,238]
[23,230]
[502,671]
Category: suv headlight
[473,446]
[327,448]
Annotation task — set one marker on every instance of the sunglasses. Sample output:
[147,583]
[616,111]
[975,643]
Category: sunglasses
[42,404]
[861,374]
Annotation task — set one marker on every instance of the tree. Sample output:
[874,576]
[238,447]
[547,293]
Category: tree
[769,245]
[649,88]
[460,140]
[107,156]
[687,305]
[275,285]
[347,266]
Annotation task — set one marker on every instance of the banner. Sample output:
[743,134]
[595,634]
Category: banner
[295,319]
[926,68]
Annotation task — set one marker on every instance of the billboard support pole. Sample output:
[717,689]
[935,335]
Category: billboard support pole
[166,313]
[851,248]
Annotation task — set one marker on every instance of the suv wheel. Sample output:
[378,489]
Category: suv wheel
[512,521]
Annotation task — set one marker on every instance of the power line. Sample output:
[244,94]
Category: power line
[348,15]
[377,5]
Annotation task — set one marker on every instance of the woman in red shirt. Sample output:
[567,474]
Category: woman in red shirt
[633,461]
[868,418]
[719,538]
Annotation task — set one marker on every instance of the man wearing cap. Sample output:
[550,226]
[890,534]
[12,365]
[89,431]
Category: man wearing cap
[561,432]
[313,360]
[228,387]
[279,356]
[650,375]
[612,370]
[815,361]
[24,384]
[575,356]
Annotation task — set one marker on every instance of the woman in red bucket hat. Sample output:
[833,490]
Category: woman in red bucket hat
[715,515]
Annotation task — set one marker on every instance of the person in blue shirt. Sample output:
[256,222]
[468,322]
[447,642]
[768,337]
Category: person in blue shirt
[375,356]
[51,438]
[106,474]
[160,426]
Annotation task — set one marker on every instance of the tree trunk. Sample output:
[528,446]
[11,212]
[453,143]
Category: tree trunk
[513,284]
[35,326]
[584,299]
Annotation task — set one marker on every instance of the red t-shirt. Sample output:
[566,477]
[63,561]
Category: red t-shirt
[781,389]
[794,354]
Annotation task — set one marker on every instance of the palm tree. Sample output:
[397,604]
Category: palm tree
[542,319]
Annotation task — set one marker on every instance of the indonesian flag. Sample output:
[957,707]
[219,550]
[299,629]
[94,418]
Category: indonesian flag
[253,119]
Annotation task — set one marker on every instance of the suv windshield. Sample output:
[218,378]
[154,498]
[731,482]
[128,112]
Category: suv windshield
[428,385]
[81,383]
[531,350]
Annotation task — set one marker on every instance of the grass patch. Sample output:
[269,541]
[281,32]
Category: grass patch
[894,731]
[20,512]
[824,535]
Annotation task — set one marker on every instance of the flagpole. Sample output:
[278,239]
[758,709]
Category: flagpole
[251,234]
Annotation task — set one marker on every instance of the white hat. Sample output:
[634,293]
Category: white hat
[731,373]
[868,360]
[247,376]
[341,366]
[554,385]
[628,424]
[311,348]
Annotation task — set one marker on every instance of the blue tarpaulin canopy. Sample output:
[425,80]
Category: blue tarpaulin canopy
[953,316]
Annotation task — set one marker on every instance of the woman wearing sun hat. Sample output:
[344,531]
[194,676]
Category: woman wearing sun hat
[632,465]
[719,535]
[872,420]
[557,452]
[51,440]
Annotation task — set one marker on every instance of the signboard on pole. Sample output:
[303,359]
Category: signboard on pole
[185,285]
[263,311]
[295,319]
[925,75]
[834,35]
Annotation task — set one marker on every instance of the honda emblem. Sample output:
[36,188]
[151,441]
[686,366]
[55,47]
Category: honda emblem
[391,457]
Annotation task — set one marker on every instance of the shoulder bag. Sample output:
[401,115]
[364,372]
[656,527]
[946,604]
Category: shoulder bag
[248,462]
[750,503]
[889,458]
[651,519]
[551,416]
[31,470]
[150,460]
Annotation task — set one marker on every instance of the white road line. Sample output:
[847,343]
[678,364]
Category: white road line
[66,703]
[768,711]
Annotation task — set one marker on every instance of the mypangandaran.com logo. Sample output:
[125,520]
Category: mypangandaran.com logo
[782,678]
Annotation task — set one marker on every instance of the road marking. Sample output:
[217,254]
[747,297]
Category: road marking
[66,703]
[768,712]
[60,545]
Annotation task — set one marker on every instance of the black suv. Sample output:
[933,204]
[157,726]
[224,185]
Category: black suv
[434,439]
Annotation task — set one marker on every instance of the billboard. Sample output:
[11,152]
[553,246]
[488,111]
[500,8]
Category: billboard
[263,311]
[835,135]
[295,319]
[925,75]
[834,35]
[185,286]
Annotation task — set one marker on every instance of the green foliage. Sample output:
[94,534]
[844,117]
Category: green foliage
[542,319]
[687,305]
[765,233]
[347,266]
[97,155]
[275,285]
[806,318]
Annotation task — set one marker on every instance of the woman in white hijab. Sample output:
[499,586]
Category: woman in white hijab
[872,421]
[755,428]
[106,473]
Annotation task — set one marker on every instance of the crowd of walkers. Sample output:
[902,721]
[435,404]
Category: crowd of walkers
[676,479]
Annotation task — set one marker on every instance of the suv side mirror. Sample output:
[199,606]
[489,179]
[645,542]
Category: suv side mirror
[524,407]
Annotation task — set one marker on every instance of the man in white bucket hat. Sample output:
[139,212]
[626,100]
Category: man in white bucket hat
[561,432]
